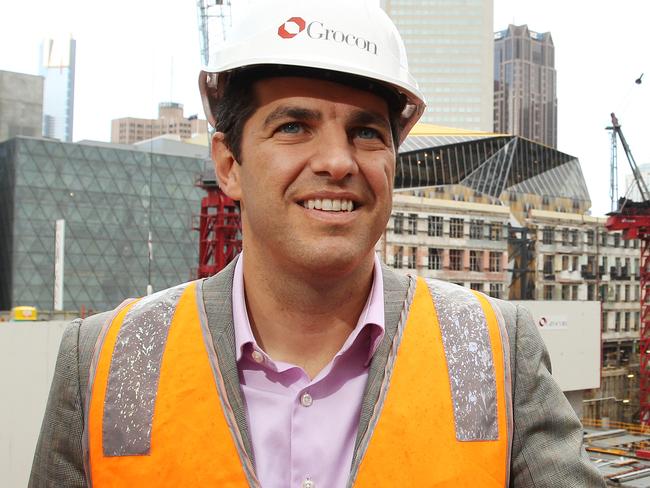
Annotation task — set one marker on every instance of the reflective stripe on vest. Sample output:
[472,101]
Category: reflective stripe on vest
[444,417]
[158,414]
[156,417]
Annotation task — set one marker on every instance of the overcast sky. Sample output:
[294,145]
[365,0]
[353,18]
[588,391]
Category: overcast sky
[133,54]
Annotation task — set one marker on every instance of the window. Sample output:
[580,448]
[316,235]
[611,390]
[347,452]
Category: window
[435,258]
[604,292]
[566,290]
[574,237]
[476,286]
[617,293]
[575,263]
[456,259]
[617,240]
[475,258]
[456,228]
[413,255]
[495,261]
[476,229]
[626,322]
[574,292]
[565,263]
[603,321]
[627,296]
[565,237]
[617,321]
[398,223]
[636,321]
[591,266]
[398,256]
[603,239]
[548,235]
[496,290]
[495,231]
[413,224]
[434,226]
[548,264]
[548,292]
[591,292]
[590,237]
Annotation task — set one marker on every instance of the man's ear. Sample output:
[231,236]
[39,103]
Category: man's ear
[226,167]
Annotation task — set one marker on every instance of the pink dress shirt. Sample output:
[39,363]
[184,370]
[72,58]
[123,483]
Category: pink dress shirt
[303,431]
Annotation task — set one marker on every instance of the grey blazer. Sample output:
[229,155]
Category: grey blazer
[547,439]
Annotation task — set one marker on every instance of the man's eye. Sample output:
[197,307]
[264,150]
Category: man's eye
[290,128]
[367,133]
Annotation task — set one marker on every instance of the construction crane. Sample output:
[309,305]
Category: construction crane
[218,223]
[633,220]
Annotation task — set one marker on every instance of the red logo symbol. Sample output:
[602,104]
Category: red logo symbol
[291,28]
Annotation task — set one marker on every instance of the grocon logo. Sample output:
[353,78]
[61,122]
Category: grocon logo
[291,28]
[317,30]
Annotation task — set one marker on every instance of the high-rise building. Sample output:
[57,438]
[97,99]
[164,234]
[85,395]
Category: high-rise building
[129,130]
[525,96]
[21,105]
[57,67]
[128,219]
[449,47]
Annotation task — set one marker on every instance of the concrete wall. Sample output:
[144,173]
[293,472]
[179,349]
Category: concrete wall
[21,105]
[28,353]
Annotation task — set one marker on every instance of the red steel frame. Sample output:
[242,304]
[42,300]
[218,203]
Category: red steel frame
[219,231]
[635,224]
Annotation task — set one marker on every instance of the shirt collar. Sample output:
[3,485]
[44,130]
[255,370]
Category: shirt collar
[372,313]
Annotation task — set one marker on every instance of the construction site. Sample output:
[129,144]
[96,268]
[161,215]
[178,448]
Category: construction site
[93,223]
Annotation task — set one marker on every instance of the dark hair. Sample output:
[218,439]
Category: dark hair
[238,102]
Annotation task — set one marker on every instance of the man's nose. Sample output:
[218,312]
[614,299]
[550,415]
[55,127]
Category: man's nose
[335,156]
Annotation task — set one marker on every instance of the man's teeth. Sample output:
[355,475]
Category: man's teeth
[329,205]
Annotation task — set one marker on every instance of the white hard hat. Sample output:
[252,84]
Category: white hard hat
[347,36]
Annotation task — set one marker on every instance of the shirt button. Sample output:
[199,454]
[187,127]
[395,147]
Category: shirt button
[308,484]
[257,356]
[306,400]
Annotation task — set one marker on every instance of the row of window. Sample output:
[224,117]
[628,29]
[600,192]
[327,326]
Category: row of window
[616,293]
[623,321]
[450,259]
[478,229]
[621,267]
[572,237]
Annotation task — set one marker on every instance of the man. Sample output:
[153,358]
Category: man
[306,363]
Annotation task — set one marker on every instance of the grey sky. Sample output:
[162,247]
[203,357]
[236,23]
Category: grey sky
[127,52]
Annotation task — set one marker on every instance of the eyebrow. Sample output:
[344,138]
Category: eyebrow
[367,117]
[297,113]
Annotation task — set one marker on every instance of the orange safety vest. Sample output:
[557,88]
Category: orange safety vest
[158,416]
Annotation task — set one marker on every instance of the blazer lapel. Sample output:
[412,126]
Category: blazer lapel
[217,297]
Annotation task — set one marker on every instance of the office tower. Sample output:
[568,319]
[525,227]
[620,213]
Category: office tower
[449,47]
[21,105]
[525,97]
[58,67]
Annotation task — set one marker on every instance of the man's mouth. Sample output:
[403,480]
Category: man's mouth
[329,204]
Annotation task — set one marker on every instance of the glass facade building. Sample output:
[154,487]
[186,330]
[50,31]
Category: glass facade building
[449,46]
[110,199]
[58,68]
[501,167]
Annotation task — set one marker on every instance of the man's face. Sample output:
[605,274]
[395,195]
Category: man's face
[316,176]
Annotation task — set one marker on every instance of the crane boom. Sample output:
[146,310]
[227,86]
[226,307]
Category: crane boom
[643,188]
